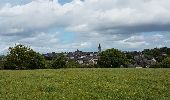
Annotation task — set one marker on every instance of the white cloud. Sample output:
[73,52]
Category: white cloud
[97,15]
[157,37]
[79,28]
[135,39]
[133,42]
[116,23]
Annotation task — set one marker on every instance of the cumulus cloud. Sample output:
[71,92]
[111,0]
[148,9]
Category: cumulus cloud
[114,23]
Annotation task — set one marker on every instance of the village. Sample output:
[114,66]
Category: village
[137,59]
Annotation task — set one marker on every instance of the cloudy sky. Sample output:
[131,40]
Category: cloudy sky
[67,25]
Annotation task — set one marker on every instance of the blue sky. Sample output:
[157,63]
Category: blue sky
[68,25]
[64,1]
[15,2]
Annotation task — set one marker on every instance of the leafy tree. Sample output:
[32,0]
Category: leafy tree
[112,58]
[2,62]
[22,57]
[1,65]
[59,62]
[165,63]
[129,56]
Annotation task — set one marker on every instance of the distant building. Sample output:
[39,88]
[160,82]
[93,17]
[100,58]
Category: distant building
[83,58]
[99,49]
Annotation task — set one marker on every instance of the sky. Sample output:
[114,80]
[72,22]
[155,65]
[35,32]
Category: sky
[68,25]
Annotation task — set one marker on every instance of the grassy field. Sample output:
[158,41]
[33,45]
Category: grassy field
[86,84]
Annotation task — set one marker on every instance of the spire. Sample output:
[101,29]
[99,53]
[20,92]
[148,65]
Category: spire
[99,45]
[99,48]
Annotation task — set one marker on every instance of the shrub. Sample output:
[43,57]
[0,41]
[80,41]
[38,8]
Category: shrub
[59,62]
[73,64]
[1,65]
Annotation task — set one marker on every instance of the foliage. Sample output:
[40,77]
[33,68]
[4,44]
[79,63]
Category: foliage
[112,58]
[22,57]
[165,63]
[59,62]
[2,62]
[157,53]
[72,64]
[48,64]
[129,56]
[1,65]
[86,84]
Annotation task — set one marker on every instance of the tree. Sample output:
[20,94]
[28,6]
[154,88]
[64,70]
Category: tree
[73,64]
[59,62]
[2,61]
[112,58]
[22,57]
[165,63]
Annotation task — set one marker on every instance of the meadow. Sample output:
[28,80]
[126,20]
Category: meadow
[85,84]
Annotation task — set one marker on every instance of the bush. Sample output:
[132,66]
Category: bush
[73,64]
[165,63]
[22,57]
[1,65]
[59,62]
[2,62]
[48,64]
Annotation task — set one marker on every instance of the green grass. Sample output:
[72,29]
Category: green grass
[86,84]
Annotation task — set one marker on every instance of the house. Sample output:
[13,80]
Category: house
[83,58]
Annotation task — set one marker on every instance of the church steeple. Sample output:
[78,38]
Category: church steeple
[99,48]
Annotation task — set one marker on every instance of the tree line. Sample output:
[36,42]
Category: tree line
[23,57]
